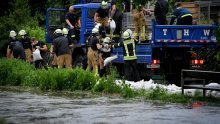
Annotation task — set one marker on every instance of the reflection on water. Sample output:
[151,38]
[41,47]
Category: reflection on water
[37,109]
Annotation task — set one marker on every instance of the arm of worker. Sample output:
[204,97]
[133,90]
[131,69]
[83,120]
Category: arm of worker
[115,45]
[96,17]
[148,11]
[44,48]
[79,23]
[99,46]
[70,25]
[112,11]
[54,49]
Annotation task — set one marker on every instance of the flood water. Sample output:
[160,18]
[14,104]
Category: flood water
[29,108]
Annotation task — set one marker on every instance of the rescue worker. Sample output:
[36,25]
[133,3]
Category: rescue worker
[43,49]
[73,23]
[18,50]
[183,15]
[72,42]
[104,53]
[160,11]
[140,22]
[26,41]
[130,58]
[117,16]
[101,15]
[62,50]
[92,53]
[12,38]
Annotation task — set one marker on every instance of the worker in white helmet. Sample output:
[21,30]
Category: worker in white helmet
[101,15]
[62,50]
[130,57]
[15,47]
[93,47]
[12,38]
[72,42]
[26,41]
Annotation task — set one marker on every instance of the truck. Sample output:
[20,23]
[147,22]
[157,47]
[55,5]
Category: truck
[170,48]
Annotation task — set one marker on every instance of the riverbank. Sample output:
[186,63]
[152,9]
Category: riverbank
[84,83]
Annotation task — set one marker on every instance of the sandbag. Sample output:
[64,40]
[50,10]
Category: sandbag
[36,55]
[109,59]
[112,25]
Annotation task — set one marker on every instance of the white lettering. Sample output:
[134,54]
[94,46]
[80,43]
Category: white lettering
[164,32]
[206,32]
[186,32]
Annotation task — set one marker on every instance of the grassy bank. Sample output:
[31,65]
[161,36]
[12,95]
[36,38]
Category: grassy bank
[18,73]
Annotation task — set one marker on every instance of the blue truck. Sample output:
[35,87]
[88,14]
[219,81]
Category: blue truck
[171,48]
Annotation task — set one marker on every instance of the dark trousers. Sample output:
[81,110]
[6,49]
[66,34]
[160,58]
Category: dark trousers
[131,70]
[161,20]
[41,63]
[74,34]
[187,20]
[19,54]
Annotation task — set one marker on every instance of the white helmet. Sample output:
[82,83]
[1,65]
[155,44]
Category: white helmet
[65,31]
[22,32]
[104,5]
[58,31]
[12,33]
[107,40]
[95,31]
[126,35]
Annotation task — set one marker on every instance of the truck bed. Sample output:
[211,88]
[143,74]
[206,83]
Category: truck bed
[183,35]
[144,53]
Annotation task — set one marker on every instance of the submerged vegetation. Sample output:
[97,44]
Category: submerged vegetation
[18,73]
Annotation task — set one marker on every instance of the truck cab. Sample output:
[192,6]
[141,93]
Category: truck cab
[55,18]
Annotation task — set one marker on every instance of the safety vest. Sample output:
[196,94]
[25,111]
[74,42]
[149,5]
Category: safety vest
[129,49]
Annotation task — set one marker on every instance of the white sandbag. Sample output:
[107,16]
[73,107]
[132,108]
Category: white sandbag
[109,59]
[112,25]
[36,55]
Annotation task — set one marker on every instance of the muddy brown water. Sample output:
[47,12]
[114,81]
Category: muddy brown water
[29,108]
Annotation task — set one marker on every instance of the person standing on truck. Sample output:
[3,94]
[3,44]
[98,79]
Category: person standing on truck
[130,57]
[160,11]
[62,50]
[101,16]
[183,15]
[117,16]
[73,24]
[92,54]
[26,41]
[12,38]
[140,22]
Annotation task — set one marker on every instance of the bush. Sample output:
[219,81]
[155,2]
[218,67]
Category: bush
[14,71]
[61,79]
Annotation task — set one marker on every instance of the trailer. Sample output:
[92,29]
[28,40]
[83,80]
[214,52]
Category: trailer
[170,49]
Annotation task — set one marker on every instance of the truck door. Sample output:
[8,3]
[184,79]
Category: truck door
[55,18]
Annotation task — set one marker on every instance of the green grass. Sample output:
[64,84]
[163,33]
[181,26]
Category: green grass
[18,73]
